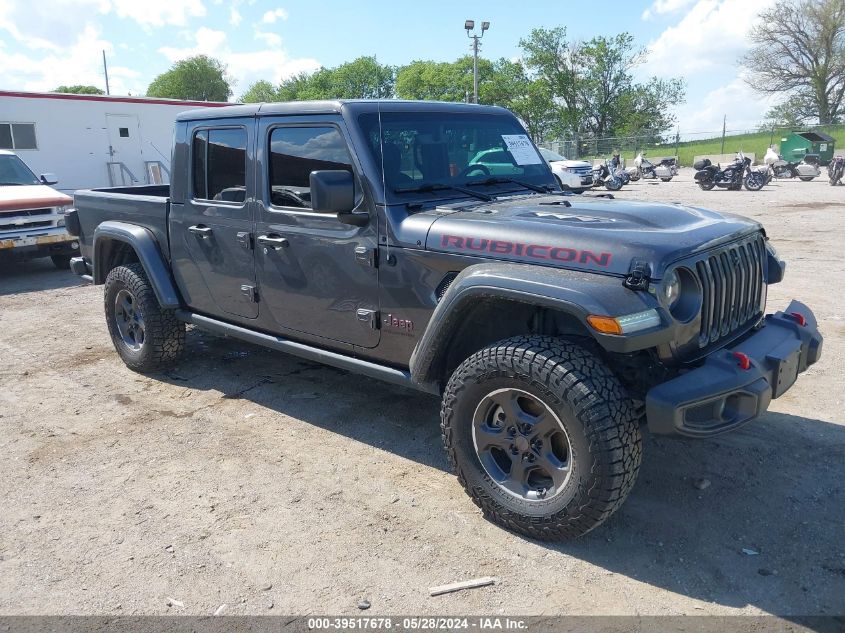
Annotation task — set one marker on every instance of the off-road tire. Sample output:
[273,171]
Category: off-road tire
[62,262]
[164,335]
[591,405]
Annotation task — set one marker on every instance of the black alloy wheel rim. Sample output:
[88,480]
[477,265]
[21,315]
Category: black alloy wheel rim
[522,445]
[129,320]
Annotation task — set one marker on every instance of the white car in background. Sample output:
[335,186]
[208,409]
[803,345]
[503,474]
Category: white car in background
[575,175]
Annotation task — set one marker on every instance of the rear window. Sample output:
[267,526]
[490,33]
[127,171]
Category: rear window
[219,164]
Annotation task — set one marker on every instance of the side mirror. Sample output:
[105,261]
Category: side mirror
[332,191]
[49,179]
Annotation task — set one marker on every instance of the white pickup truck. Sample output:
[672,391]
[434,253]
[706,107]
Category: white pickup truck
[32,221]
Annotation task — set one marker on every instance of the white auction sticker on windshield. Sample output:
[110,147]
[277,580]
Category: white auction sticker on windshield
[521,149]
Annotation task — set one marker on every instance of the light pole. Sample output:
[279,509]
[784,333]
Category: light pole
[469,25]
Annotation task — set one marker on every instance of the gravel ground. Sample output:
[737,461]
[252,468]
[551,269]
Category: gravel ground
[250,479]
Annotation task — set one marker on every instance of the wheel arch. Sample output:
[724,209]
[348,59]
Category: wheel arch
[491,302]
[118,243]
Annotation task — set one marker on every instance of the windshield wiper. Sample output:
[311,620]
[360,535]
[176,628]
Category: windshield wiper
[495,180]
[7,184]
[440,186]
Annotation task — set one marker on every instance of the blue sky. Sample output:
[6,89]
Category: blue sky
[57,42]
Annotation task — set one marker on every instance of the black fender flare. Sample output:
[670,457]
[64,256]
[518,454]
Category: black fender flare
[144,243]
[576,293]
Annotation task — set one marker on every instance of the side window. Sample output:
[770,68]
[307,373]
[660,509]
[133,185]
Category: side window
[17,136]
[219,164]
[297,151]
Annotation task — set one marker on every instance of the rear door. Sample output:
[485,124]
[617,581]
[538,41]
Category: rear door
[211,233]
[315,274]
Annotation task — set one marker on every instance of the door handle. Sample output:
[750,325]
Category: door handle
[273,241]
[200,230]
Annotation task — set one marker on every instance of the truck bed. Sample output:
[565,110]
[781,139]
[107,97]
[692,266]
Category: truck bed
[144,205]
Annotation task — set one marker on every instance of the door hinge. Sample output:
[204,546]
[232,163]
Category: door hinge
[250,292]
[367,256]
[368,316]
[245,240]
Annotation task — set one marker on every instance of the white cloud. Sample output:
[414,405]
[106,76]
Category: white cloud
[78,63]
[660,7]
[159,12]
[271,39]
[234,16]
[271,17]
[743,108]
[711,35]
[246,67]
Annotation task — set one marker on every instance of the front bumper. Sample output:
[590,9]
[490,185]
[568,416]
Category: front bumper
[26,247]
[721,395]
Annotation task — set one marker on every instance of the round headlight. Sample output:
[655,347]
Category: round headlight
[671,289]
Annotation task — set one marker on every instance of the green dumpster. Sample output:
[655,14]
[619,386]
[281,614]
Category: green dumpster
[797,144]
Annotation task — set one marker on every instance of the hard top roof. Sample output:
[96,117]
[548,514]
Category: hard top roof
[356,106]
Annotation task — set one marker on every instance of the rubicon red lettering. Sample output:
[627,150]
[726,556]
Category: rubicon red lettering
[534,251]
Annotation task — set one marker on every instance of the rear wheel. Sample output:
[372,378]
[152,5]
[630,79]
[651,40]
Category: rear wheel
[62,262]
[542,436]
[806,178]
[666,179]
[706,185]
[146,337]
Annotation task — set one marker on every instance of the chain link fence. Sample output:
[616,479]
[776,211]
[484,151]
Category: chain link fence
[685,145]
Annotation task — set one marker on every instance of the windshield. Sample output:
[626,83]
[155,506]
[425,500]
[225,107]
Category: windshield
[452,150]
[13,171]
[550,156]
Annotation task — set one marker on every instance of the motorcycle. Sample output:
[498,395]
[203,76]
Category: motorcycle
[603,176]
[835,170]
[805,170]
[644,168]
[732,177]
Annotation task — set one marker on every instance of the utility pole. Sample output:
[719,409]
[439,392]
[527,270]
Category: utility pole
[469,25]
[106,73]
[724,122]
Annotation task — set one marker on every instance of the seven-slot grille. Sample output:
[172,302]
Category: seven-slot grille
[732,282]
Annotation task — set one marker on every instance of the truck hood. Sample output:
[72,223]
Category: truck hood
[22,197]
[583,233]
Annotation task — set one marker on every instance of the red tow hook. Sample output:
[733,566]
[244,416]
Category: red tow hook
[744,361]
[799,318]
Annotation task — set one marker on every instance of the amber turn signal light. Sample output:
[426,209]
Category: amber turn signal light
[604,324]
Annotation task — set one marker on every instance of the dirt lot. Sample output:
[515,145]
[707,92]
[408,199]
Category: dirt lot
[252,479]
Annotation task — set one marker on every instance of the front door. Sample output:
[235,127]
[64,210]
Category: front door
[126,162]
[315,274]
[211,233]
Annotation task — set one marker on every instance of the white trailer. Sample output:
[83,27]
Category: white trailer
[92,140]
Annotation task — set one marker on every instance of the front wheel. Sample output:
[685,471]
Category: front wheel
[754,181]
[542,436]
[147,338]
[613,184]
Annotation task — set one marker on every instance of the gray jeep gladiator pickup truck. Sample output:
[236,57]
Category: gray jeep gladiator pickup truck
[428,245]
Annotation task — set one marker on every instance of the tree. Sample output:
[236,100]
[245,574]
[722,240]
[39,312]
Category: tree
[799,49]
[592,83]
[789,114]
[260,92]
[441,81]
[79,90]
[200,78]
[510,86]
[362,78]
